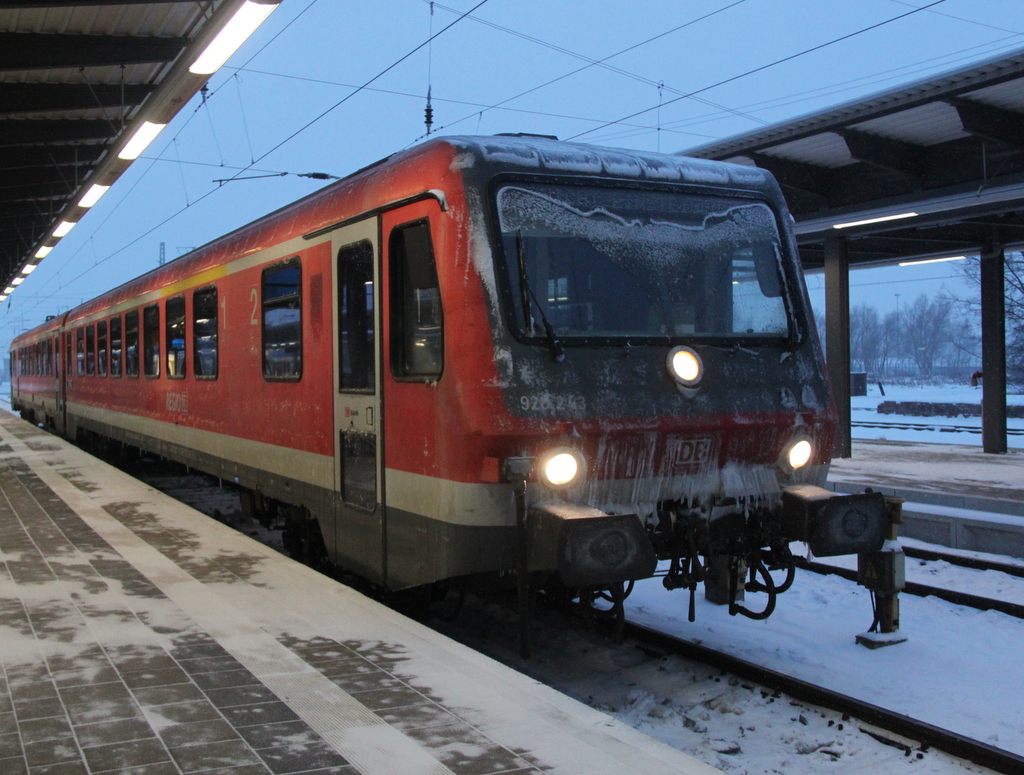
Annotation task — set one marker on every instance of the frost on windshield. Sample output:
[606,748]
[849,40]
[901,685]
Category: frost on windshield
[621,263]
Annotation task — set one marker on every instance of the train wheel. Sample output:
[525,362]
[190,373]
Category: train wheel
[446,599]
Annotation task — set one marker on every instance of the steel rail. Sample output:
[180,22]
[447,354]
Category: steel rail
[923,590]
[914,426]
[926,734]
[964,562]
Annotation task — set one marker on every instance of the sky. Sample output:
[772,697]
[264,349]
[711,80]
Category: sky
[289,101]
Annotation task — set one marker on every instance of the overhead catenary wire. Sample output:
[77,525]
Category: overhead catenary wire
[288,139]
[590,62]
[761,68]
[169,143]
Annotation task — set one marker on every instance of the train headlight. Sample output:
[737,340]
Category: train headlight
[685,366]
[560,467]
[799,454]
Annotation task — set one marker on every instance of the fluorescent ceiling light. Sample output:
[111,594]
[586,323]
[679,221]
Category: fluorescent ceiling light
[92,196]
[932,260]
[143,136]
[17,281]
[28,269]
[3,298]
[873,220]
[8,290]
[44,251]
[234,34]
[63,228]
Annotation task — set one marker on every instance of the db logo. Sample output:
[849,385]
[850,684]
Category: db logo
[693,451]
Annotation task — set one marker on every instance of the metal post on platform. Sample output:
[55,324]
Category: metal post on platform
[993,350]
[837,336]
[883,573]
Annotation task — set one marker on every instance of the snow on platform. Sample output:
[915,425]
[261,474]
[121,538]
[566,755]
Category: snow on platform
[939,474]
[138,635]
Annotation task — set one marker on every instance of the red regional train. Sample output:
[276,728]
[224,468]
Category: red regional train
[487,355]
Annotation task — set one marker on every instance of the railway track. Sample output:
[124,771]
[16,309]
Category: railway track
[914,426]
[916,734]
[924,590]
[964,562]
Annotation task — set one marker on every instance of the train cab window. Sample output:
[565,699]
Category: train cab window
[417,323]
[101,348]
[355,297]
[151,340]
[80,351]
[175,313]
[115,346]
[282,321]
[90,350]
[131,343]
[204,333]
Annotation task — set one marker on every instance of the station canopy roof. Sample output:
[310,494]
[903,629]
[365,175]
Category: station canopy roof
[949,149]
[77,80]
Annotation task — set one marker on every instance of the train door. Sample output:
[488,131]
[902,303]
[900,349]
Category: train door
[58,382]
[421,542]
[359,502]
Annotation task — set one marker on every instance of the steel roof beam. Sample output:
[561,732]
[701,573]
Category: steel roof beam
[5,4]
[34,156]
[793,174]
[885,152]
[18,98]
[35,51]
[32,131]
[990,122]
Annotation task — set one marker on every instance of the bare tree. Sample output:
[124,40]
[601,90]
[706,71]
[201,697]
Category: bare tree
[866,337]
[1014,284]
[890,347]
[927,328]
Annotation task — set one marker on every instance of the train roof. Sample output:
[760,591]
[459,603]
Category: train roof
[475,157]
[551,156]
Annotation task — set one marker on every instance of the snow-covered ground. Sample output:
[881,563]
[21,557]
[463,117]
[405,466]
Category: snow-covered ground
[865,409]
[957,670]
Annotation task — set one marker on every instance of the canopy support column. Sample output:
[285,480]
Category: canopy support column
[837,336]
[993,350]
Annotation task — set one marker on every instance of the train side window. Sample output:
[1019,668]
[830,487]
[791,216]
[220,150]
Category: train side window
[175,313]
[90,350]
[115,346]
[70,353]
[204,333]
[80,350]
[50,346]
[131,343]
[151,340]
[101,348]
[417,322]
[355,297]
[282,321]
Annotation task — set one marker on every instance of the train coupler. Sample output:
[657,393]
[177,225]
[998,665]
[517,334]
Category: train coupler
[883,573]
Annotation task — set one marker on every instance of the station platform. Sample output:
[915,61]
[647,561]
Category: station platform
[139,636]
[956,496]
[940,474]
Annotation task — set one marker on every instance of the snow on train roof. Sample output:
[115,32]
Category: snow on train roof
[559,156]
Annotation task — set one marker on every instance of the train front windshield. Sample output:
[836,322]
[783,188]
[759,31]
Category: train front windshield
[610,264]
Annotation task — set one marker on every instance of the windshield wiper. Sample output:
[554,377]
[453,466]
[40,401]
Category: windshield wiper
[527,293]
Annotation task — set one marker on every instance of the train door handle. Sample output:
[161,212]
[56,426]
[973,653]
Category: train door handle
[369,415]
